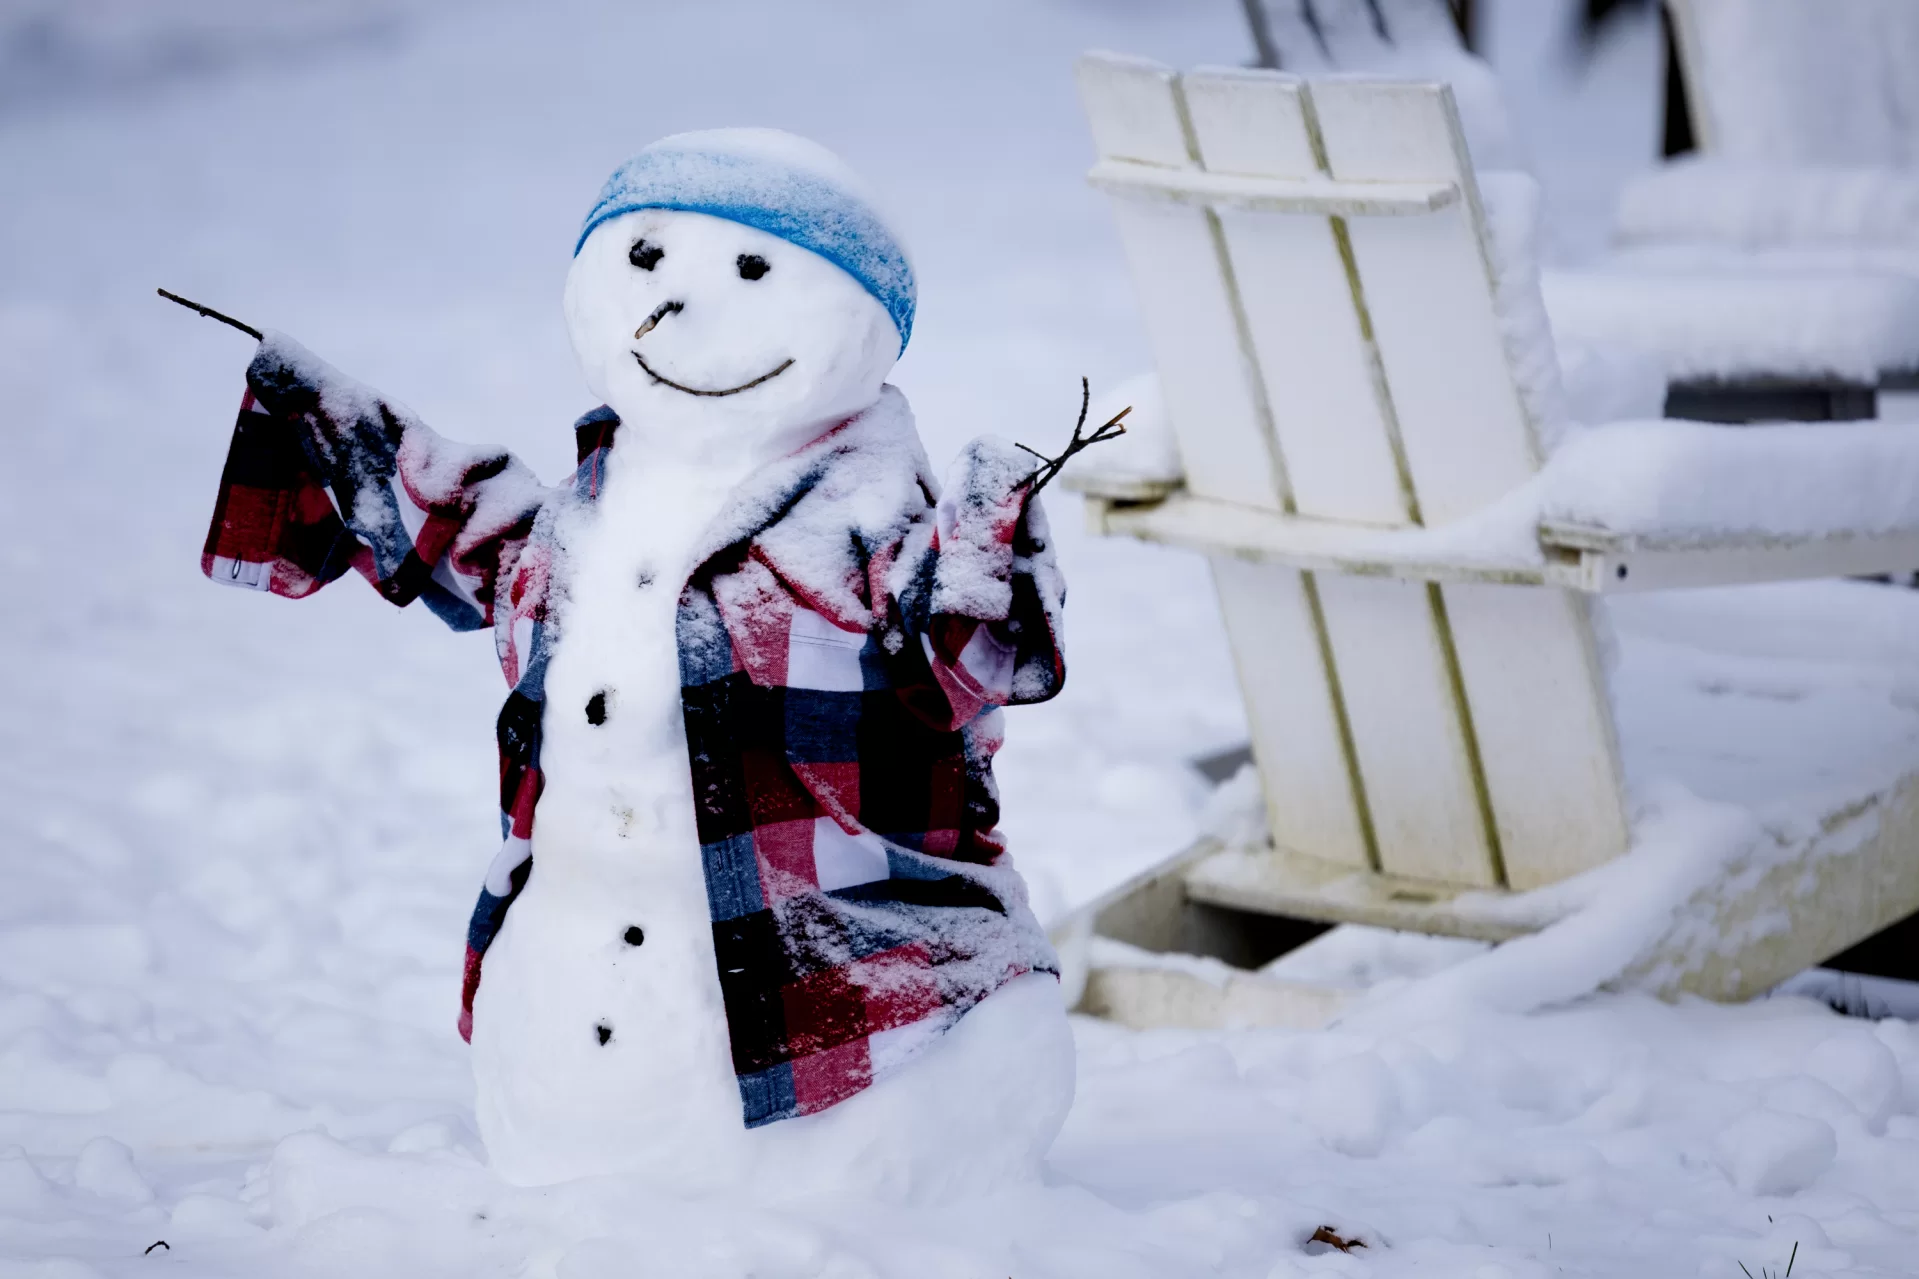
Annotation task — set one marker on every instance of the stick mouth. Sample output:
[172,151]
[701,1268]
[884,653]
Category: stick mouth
[674,308]
[663,380]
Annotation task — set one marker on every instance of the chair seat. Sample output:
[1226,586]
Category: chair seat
[1767,206]
[1713,320]
[1790,710]
[1675,483]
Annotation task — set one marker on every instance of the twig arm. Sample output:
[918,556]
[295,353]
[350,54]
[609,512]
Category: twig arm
[212,314]
[1107,430]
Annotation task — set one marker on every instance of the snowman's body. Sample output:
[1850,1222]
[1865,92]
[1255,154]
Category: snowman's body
[600,1038]
[615,850]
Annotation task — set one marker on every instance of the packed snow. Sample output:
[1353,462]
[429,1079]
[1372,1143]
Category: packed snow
[1711,319]
[241,835]
[1701,199]
[1692,482]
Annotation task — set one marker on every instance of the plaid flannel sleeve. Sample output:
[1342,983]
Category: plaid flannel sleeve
[989,616]
[323,475]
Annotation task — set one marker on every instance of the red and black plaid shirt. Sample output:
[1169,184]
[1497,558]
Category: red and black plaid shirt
[845,645]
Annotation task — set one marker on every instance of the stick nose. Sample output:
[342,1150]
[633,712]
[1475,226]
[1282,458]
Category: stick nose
[665,309]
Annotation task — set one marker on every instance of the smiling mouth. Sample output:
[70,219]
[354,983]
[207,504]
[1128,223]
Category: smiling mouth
[767,376]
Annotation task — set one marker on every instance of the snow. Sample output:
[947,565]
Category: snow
[1768,1153]
[1689,481]
[1863,1072]
[1759,205]
[1711,319]
[822,343]
[614,847]
[1147,454]
[241,835]
[1511,202]
[1809,81]
[1610,384]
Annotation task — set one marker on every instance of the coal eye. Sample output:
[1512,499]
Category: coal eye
[645,256]
[752,266]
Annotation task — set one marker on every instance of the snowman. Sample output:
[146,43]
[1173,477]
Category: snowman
[750,926]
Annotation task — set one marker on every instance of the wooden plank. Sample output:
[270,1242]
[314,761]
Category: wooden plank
[1857,876]
[1533,707]
[1412,744]
[1251,124]
[1223,529]
[1333,418]
[1462,425]
[1276,882]
[1459,413]
[1302,317]
[1213,399]
[1267,195]
[1615,564]
[1152,997]
[1319,369]
[1127,101]
[1690,50]
[1428,287]
[1543,726]
[1579,559]
[1292,704]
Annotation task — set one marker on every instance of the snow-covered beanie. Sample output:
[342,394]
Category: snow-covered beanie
[778,182]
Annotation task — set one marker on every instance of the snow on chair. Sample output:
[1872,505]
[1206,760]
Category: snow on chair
[1355,399]
[1736,337]
[1805,115]
[1802,82]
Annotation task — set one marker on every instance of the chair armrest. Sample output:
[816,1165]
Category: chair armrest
[1632,506]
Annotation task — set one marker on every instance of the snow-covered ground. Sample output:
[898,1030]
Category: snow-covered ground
[239,836]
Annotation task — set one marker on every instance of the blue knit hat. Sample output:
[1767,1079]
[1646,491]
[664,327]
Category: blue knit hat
[782,184]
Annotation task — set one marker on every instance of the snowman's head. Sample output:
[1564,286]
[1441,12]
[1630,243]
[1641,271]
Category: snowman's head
[734,295]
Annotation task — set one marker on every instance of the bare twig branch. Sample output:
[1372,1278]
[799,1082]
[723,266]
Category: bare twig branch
[211,314]
[1051,466]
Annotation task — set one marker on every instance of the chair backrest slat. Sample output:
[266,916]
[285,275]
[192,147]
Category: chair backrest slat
[1428,289]
[1315,361]
[1186,299]
[1802,82]
[1341,358]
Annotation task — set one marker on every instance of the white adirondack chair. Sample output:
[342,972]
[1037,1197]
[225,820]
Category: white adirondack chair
[1805,114]
[1431,719]
[1817,83]
[1734,335]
